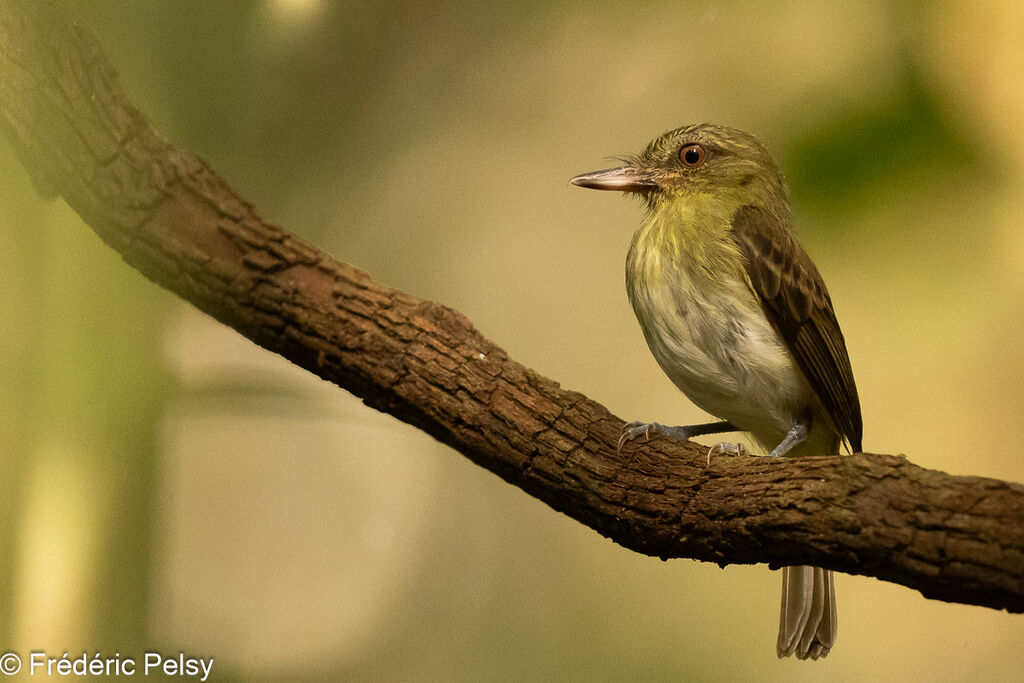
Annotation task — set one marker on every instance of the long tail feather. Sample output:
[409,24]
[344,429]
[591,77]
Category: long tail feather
[807,619]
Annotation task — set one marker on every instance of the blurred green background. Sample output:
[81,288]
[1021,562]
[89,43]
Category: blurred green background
[168,485]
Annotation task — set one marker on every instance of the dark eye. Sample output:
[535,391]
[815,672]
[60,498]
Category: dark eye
[692,155]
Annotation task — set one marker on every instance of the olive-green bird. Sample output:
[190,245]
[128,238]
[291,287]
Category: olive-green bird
[740,320]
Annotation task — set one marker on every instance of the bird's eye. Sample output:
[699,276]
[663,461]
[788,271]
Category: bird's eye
[693,155]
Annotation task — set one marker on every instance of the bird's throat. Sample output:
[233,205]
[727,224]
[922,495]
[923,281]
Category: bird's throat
[685,238]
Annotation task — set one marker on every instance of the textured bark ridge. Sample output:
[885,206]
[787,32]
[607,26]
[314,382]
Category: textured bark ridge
[175,220]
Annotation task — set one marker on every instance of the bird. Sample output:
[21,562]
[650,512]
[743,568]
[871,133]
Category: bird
[739,318]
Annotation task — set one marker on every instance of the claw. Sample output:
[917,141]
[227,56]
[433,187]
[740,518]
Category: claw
[724,448]
[633,430]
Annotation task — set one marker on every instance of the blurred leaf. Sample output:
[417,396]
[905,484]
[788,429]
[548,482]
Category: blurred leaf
[892,139]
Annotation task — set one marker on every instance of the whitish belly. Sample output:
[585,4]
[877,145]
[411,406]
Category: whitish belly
[717,346]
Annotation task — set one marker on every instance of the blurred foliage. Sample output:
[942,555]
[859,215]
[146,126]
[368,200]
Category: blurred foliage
[902,134]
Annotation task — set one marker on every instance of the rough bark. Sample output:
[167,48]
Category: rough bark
[171,217]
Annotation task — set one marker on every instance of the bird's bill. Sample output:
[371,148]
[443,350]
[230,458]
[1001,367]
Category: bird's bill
[623,179]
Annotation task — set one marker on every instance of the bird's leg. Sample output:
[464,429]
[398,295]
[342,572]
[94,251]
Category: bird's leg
[635,429]
[795,437]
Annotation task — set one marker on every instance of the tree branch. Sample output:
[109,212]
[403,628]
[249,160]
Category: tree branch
[175,220]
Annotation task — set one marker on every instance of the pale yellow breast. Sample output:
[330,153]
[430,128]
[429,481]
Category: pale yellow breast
[705,326]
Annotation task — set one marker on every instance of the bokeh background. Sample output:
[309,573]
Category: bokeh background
[167,485]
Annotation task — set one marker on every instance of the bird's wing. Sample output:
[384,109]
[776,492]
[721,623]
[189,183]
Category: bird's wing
[797,303]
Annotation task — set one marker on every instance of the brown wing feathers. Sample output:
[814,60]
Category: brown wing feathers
[797,303]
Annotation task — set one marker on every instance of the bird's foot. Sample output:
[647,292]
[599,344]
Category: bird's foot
[636,428]
[682,433]
[724,448]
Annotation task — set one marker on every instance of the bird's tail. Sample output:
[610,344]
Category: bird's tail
[807,623]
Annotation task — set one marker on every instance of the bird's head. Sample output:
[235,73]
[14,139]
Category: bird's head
[698,161]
